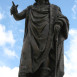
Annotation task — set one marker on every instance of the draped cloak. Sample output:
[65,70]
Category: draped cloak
[39,40]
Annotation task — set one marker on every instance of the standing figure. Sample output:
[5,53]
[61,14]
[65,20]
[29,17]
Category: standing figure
[46,28]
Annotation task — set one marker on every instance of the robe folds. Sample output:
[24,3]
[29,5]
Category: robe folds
[39,42]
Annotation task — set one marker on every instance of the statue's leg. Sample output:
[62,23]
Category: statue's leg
[25,75]
[47,69]
[45,72]
[42,72]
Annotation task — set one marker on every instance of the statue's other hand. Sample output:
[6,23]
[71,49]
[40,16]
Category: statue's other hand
[13,9]
[57,28]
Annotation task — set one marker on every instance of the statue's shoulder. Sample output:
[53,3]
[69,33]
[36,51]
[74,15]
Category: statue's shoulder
[55,6]
[29,7]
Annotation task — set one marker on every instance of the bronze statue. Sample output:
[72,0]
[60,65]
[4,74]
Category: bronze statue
[46,28]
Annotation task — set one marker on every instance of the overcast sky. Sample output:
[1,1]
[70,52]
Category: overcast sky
[12,33]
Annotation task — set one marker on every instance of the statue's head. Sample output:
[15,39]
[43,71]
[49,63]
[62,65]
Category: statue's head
[42,1]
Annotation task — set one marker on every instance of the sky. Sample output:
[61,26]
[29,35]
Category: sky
[12,33]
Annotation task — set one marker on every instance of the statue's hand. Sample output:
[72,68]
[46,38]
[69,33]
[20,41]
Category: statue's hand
[13,9]
[57,28]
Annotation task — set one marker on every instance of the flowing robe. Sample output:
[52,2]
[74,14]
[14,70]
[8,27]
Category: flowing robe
[39,40]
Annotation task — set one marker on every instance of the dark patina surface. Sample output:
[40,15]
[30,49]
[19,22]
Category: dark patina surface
[46,28]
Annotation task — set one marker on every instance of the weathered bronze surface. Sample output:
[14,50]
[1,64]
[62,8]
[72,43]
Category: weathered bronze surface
[46,28]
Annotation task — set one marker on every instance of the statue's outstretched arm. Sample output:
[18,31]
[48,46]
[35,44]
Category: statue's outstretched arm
[16,15]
